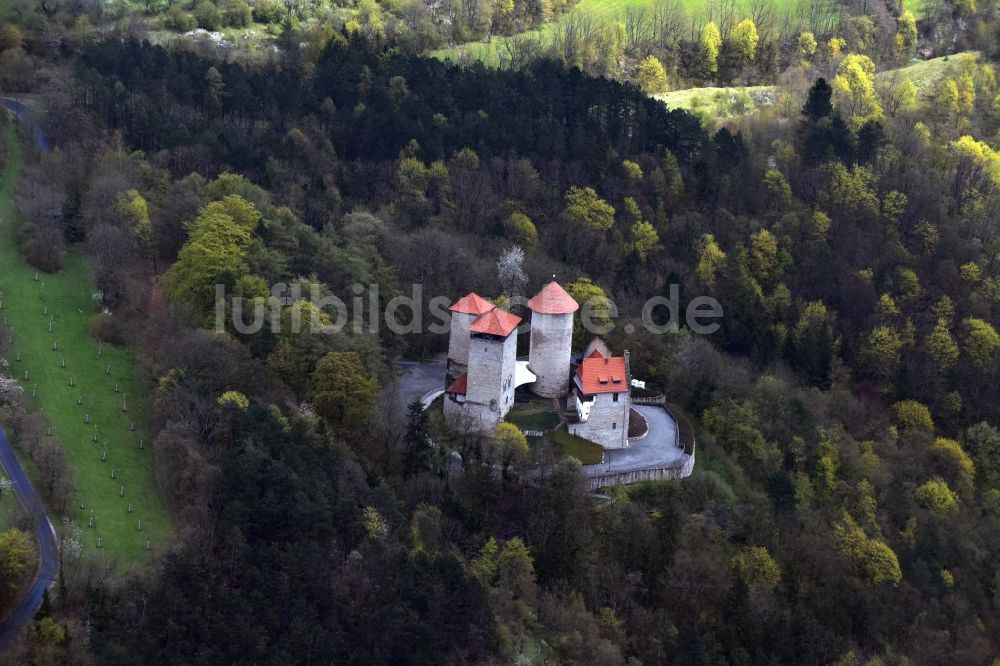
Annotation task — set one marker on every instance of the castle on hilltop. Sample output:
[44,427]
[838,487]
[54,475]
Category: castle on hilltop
[484,371]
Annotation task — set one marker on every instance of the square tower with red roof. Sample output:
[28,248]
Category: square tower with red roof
[480,397]
[602,398]
[463,312]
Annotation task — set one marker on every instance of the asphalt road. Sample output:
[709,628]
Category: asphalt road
[420,380]
[23,114]
[49,567]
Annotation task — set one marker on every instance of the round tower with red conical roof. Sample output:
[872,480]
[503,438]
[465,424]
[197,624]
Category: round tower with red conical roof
[551,340]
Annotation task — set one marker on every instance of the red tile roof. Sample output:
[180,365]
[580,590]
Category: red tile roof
[602,374]
[460,385]
[495,322]
[472,303]
[553,299]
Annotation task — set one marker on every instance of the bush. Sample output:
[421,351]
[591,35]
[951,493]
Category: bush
[179,20]
[46,252]
[208,15]
[236,13]
[107,328]
[268,11]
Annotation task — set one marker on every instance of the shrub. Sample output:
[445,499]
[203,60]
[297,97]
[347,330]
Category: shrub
[268,11]
[45,252]
[208,15]
[106,328]
[236,13]
[179,20]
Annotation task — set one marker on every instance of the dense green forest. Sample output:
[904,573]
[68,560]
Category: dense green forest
[845,505]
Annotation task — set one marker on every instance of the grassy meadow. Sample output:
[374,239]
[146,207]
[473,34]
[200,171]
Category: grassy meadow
[925,74]
[603,11]
[68,297]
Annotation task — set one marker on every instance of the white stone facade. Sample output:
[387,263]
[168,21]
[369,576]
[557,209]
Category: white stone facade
[606,419]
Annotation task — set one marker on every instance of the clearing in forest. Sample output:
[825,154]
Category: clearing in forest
[48,320]
[601,11]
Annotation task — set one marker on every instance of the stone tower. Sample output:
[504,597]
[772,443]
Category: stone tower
[463,312]
[481,397]
[551,340]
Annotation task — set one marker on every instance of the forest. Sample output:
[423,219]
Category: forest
[845,504]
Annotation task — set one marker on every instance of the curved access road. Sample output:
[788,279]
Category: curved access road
[48,568]
[23,113]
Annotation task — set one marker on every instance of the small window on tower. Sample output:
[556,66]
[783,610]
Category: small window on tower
[615,398]
[614,426]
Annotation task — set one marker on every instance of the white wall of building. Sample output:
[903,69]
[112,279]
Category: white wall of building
[607,422]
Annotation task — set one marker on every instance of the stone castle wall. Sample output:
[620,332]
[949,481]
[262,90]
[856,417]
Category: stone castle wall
[673,472]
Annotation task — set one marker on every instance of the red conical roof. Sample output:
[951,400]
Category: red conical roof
[553,299]
[472,303]
[495,322]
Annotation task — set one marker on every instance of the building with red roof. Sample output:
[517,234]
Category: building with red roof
[496,322]
[602,374]
[481,389]
[551,340]
[553,299]
[483,370]
[472,303]
[464,311]
[603,400]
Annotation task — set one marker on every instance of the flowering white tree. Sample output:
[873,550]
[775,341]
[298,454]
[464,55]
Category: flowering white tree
[72,541]
[10,391]
[510,270]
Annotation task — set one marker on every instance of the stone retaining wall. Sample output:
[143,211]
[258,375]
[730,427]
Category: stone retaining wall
[653,474]
[685,438]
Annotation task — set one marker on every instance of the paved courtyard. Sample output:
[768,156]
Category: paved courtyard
[657,449]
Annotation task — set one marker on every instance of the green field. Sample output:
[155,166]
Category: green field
[925,74]
[718,102]
[603,11]
[68,297]
[714,103]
